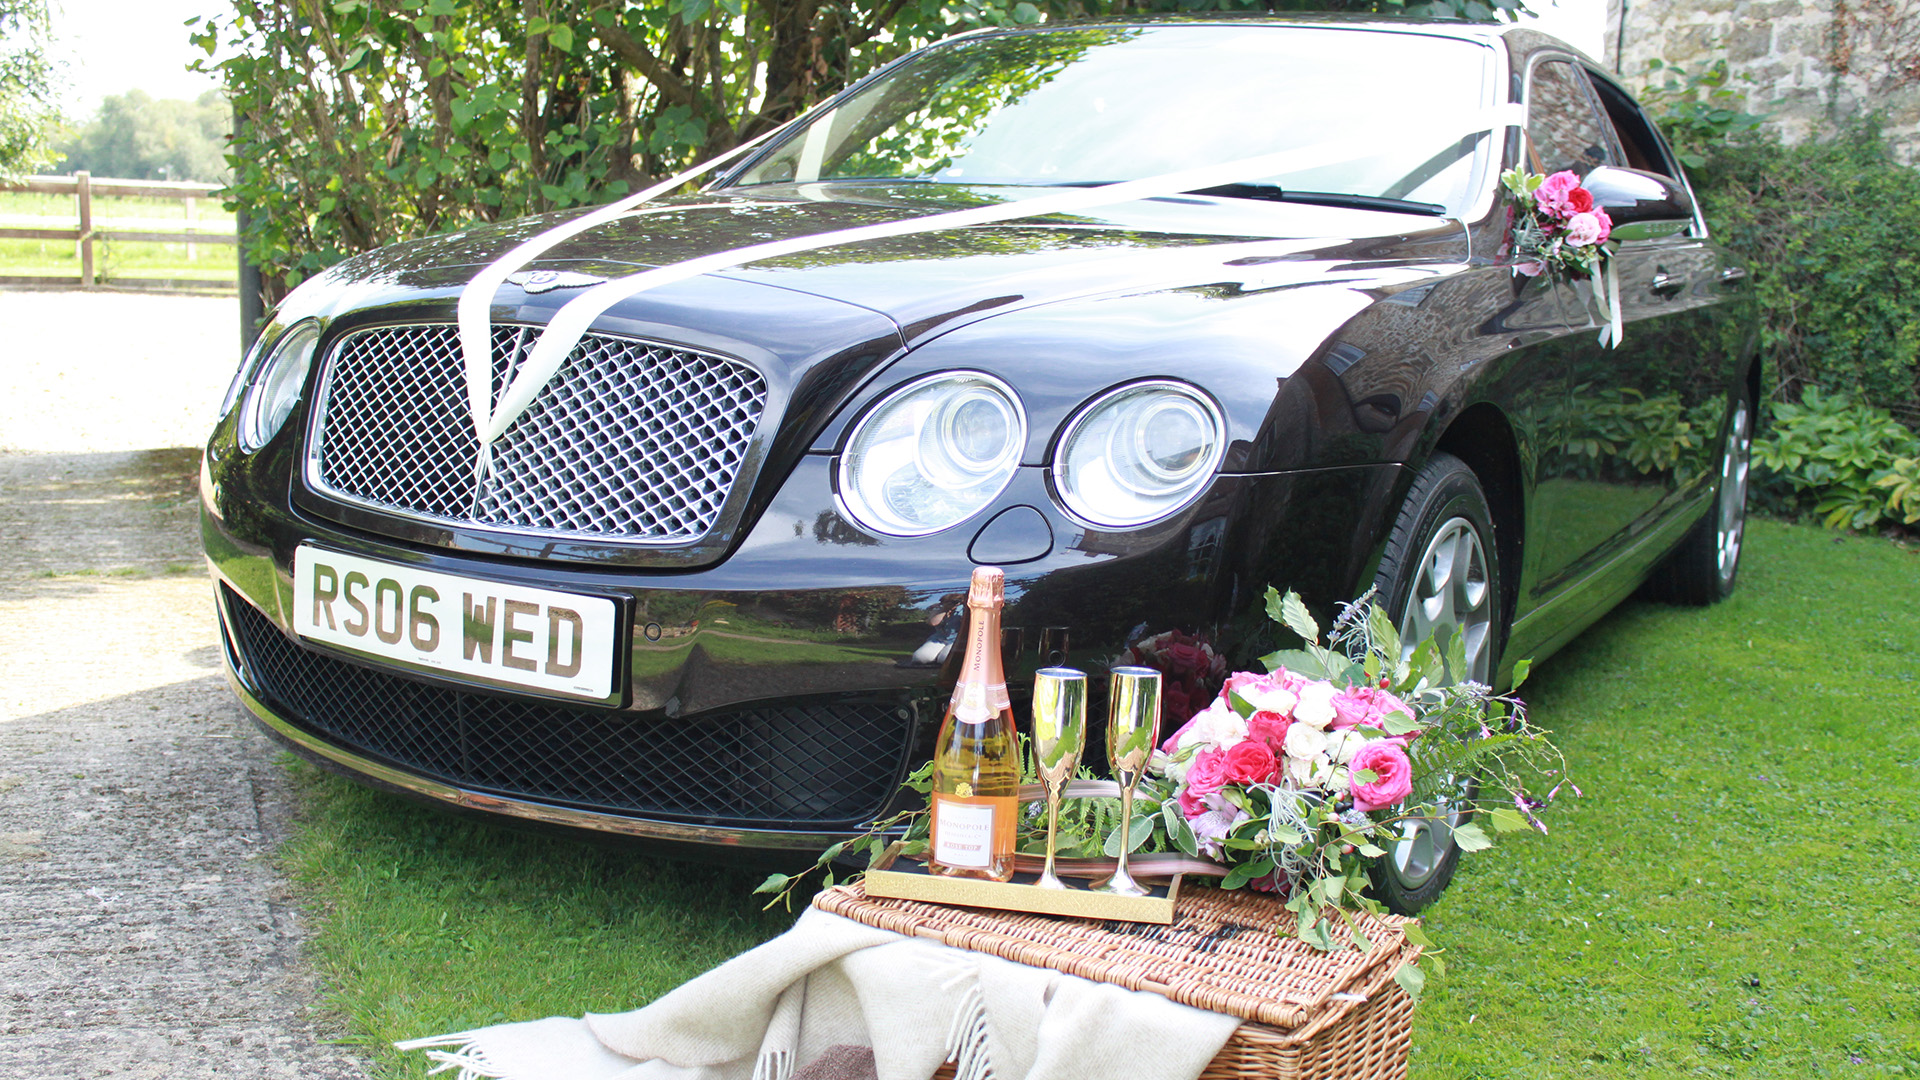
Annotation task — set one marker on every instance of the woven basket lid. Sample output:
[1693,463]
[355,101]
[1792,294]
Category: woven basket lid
[1229,952]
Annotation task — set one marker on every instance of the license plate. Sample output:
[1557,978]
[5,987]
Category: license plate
[556,642]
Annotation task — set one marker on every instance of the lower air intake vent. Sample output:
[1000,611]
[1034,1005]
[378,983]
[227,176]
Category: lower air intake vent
[820,765]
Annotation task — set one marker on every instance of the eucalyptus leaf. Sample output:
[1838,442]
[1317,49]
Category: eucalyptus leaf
[1297,661]
[1386,638]
[1411,979]
[1293,611]
[1142,828]
[1401,723]
[1470,837]
[1505,820]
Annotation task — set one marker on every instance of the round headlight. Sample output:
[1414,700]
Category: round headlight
[276,389]
[1138,453]
[932,453]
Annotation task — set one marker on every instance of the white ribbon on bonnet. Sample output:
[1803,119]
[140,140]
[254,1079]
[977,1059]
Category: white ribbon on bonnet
[572,321]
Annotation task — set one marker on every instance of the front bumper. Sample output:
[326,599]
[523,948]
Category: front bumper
[771,702]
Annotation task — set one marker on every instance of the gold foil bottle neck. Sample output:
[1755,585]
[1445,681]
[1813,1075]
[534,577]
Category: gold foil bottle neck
[988,588]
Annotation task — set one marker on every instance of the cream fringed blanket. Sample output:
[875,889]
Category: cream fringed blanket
[831,982]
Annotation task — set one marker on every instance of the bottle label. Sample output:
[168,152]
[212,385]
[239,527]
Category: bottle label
[963,833]
[977,703]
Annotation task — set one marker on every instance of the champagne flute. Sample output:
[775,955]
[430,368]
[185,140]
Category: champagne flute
[1132,723]
[1059,738]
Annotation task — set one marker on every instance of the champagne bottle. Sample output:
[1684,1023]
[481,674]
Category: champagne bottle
[976,769]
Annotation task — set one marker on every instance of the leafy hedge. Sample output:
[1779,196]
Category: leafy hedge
[1828,232]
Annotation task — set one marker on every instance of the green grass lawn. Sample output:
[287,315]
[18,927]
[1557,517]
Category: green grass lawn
[60,258]
[1735,894]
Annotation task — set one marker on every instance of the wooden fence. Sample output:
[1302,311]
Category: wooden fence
[84,188]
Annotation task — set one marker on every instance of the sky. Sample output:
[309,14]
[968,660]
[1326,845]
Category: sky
[112,46]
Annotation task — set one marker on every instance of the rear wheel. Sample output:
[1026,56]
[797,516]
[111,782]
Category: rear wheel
[1706,565]
[1440,577]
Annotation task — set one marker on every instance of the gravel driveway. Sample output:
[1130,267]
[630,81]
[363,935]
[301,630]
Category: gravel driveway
[143,929]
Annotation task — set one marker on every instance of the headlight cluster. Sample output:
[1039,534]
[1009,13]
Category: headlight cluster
[933,453]
[277,385]
[938,450]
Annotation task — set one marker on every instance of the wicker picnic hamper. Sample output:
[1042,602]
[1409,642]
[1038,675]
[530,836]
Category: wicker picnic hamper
[1307,1015]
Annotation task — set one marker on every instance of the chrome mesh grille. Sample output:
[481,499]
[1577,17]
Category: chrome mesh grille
[628,441]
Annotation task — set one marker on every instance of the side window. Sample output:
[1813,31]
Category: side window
[1638,142]
[1561,123]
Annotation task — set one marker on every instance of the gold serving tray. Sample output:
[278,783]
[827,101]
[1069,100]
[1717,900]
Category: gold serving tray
[905,879]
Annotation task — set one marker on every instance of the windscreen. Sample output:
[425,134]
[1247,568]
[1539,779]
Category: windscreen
[1093,105]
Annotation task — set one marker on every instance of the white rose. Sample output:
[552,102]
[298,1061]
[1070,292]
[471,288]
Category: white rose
[1316,705]
[1300,770]
[1215,726]
[1342,745]
[1305,743]
[1276,700]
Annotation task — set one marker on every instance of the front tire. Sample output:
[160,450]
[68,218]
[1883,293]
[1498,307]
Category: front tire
[1439,577]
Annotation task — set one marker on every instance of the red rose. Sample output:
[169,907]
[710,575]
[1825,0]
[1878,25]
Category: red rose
[1269,728]
[1250,762]
[1580,200]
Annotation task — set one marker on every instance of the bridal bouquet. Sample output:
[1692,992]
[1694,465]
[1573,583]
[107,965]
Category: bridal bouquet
[1560,227]
[1300,778]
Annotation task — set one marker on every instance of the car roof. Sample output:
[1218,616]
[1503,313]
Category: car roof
[1518,40]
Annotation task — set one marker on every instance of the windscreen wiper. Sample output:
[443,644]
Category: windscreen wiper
[1275,193]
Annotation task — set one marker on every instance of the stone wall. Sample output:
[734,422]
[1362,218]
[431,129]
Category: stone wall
[1814,64]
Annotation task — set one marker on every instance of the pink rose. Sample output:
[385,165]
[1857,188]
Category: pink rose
[1367,706]
[1393,775]
[1606,225]
[1551,196]
[1580,200]
[1247,682]
[1269,728]
[1205,776]
[1531,268]
[1208,772]
[1584,230]
[1250,762]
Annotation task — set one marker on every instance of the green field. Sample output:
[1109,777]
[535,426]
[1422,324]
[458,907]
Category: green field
[114,259]
[1733,896]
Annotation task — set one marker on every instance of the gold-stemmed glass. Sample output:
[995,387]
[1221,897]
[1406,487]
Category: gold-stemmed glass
[1059,738]
[1132,722]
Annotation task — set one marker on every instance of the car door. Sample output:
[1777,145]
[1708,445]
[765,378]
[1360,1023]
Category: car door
[1575,513]
[1644,413]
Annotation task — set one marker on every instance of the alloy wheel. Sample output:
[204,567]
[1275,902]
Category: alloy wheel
[1452,597]
[1732,523]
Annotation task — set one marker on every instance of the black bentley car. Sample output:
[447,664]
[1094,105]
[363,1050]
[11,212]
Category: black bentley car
[703,591]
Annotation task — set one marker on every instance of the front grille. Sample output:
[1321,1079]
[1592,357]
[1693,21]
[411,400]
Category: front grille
[830,765]
[628,441]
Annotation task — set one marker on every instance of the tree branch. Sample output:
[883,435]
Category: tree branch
[627,48]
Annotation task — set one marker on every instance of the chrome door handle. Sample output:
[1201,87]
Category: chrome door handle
[1665,284]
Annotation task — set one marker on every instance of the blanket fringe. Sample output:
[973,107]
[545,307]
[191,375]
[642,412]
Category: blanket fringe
[967,1037]
[774,1065]
[461,1054]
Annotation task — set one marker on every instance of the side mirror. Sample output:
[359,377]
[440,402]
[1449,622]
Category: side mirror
[1640,204]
